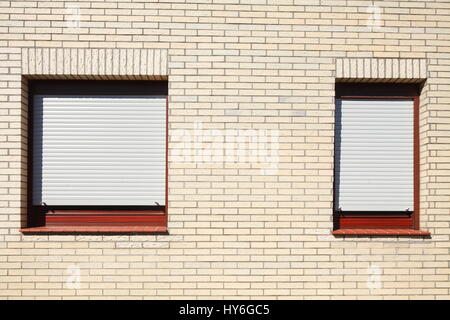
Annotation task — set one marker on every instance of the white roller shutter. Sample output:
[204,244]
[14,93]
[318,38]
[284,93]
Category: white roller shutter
[99,150]
[374,155]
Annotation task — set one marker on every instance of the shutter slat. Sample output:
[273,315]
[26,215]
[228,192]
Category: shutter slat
[99,150]
[374,154]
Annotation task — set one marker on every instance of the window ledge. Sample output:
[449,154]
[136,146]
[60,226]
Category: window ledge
[95,230]
[380,232]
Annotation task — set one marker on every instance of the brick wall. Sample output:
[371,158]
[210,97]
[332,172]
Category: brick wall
[234,231]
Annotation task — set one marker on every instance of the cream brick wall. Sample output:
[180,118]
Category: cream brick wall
[232,64]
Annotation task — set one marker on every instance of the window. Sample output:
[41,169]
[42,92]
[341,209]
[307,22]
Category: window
[376,180]
[98,155]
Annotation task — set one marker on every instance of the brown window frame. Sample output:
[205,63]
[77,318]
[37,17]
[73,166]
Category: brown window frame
[86,219]
[345,222]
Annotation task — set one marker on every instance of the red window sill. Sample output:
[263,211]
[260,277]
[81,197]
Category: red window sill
[380,232]
[95,229]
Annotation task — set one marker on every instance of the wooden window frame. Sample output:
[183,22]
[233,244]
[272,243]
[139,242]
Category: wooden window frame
[85,219]
[395,221]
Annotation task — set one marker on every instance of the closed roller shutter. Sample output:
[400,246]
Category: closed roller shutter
[99,150]
[374,155]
